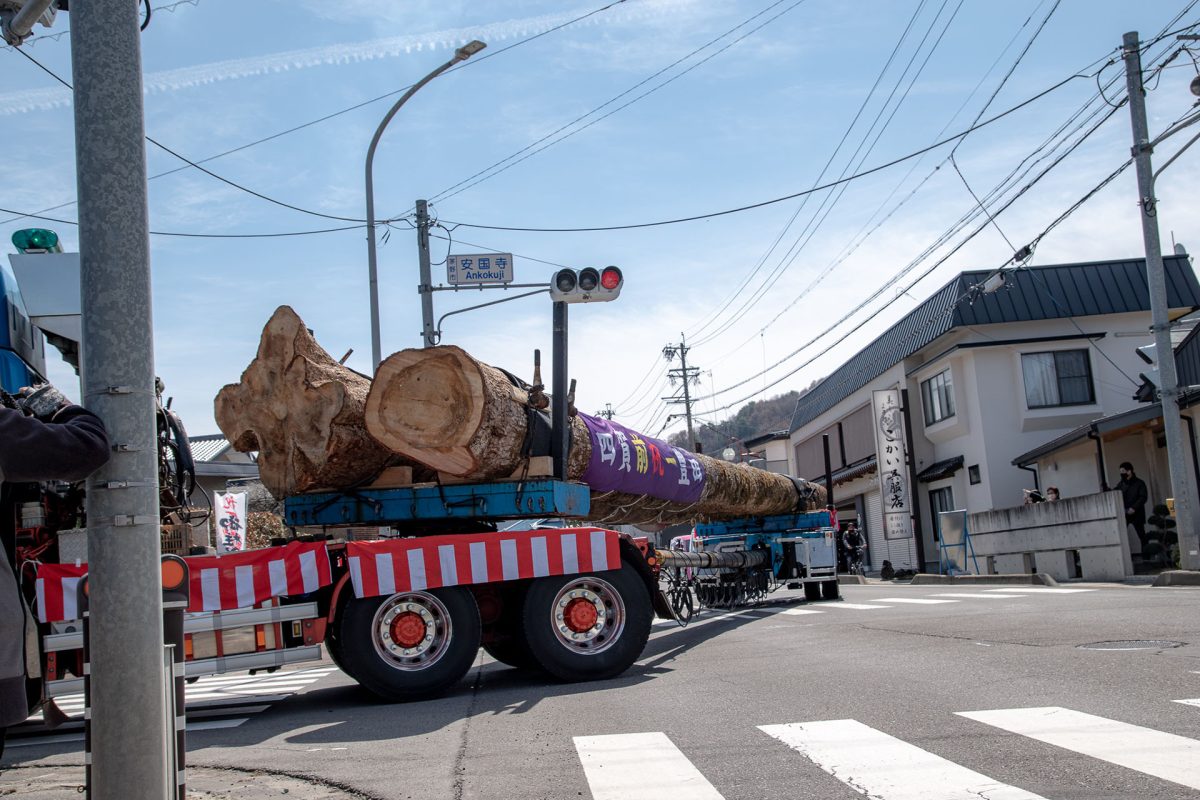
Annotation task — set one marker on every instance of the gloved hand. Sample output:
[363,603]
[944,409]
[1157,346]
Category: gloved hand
[42,402]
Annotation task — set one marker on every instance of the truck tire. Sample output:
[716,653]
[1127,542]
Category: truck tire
[333,646]
[588,627]
[513,651]
[411,645]
[829,590]
[812,591]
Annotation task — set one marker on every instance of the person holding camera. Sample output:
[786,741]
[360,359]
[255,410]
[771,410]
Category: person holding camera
[42,437]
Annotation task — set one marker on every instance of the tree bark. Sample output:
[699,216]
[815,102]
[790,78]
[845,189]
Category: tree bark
[302,411]
[442,408]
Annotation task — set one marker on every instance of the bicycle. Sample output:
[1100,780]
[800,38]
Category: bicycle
[854,560]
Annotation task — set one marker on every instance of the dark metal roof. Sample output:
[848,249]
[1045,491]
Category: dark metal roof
[1113,422]
[940,469]
[1034,293]
[764,438]
[1187,359]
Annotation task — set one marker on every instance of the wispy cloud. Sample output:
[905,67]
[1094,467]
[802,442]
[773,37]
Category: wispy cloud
[337,54]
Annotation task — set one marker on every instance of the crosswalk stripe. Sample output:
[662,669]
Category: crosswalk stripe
[979,596]
[1039,590]
[1193,702]
[799,611]
[856,606]
[640,766]
[886,768]
[918,601]
[1163,755]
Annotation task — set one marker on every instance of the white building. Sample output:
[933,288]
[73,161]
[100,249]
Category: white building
[988,377]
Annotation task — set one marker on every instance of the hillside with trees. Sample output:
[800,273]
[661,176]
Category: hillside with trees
[751,420]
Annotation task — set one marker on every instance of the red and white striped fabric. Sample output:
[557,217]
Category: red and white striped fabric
[218,583]
[429,562]
[57,588]
[242,580]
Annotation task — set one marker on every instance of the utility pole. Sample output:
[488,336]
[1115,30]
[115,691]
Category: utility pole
[428,337]
[606,412]
[128,697]
[686,375]
[1182,481]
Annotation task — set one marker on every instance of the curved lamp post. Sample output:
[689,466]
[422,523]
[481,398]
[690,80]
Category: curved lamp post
[461,54]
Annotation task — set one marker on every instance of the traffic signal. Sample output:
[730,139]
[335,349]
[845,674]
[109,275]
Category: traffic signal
[36,240]
[588,285]
[1147,392]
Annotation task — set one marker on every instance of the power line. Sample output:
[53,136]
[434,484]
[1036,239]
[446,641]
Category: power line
[483,175]
[794,195]
[273,235]
[206,171]
[332,115]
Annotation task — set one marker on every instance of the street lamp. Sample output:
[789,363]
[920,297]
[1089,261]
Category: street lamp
[461,54]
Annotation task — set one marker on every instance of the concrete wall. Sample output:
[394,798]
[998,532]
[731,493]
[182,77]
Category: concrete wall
[1046,537]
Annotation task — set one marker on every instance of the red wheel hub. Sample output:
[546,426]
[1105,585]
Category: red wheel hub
[580,615]
[408,629]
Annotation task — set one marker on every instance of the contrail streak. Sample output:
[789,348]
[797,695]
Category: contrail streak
[331,55]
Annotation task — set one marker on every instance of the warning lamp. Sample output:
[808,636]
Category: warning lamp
[36,240]
[174,580]
[588,285]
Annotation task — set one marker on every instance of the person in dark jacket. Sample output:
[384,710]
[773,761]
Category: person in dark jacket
[44,438]
[1133,498]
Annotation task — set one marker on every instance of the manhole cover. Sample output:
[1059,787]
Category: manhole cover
[1135,644]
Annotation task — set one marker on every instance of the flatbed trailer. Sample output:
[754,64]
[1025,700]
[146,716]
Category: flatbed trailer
[406,615]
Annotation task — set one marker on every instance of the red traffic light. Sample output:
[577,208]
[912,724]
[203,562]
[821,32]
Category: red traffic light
[611,278]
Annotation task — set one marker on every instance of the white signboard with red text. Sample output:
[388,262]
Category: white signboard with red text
[229,510]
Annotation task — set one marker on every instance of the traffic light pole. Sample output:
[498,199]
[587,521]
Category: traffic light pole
[127,687]
[560,442]
[1182,481]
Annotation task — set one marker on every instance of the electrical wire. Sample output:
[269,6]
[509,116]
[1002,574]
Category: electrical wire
[698,329]
[529,152]
[792,196]
[205,170]
[331,115]
[860,155]
[273,235]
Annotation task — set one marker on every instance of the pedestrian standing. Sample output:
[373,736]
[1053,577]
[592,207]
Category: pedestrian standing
[1133,497]
[42,437]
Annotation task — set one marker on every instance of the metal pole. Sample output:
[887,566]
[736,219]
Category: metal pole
[918,538]
[461,54]
[1181,481]
[425,289]
[829,504]
[126,634]
[687,397]
[560,440]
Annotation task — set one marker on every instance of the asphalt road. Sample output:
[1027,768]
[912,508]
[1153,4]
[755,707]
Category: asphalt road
[982,693]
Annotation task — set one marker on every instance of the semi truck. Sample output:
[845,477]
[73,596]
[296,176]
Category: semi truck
[405,614]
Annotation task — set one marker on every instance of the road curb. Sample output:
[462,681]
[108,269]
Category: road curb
[1177,577]
[1020,579]
[851,580]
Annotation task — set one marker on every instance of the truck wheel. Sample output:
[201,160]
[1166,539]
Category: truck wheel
[333,646]
[829,589]
[411,645]
[513,651]
[588,627]
[812,591]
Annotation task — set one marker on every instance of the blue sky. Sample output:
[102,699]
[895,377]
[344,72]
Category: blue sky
[763,117]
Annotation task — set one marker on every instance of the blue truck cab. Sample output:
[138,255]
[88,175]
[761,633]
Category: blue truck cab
[22,348]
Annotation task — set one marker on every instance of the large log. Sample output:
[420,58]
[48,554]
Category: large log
[302,411]
[442,408]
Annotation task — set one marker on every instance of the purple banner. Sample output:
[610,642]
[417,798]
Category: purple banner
[623,460]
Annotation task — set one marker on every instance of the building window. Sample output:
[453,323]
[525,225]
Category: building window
[973,474]
[937,393]
[1060,378]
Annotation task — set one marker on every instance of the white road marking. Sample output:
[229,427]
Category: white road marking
[1163,755]
[640,766]
[885,768]
[980,596]
[920,601]
[856,606]
[1039,590]
[799,611]
[62,738]
[1193,702]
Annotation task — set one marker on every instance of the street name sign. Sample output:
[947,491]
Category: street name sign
[479,268]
